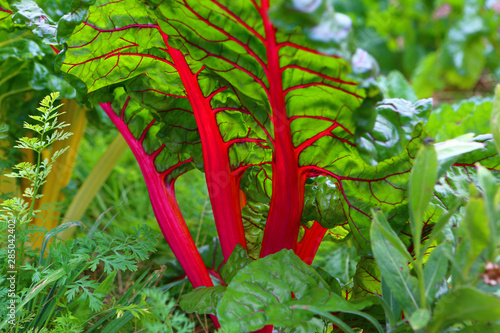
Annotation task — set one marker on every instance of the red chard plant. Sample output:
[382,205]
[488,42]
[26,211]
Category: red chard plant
[275,104]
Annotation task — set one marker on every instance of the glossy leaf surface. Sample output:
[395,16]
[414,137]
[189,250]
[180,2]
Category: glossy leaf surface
[386,130]
[202,300]
[261,294]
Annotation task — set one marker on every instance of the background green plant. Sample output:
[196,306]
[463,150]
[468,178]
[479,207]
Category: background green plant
[447,47]
[70,286]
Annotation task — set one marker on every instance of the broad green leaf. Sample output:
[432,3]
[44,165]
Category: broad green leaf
[458,121]
[30,13]
[203,300]
[455,147]
[323,202]
[394,267]
[259,81]
[306,75]
[144,128]
[23,49]
[320,302]
[335,320]
[44,26]
[339,260]
[449,151]
[314,18]
[395,85]
[386,130]
[238,260]
[463,304]
[225,43]
[449,121]
[423,177]
[256,183]
[196,109]
[366,279]
[261,293]
[332,282]
[5,15]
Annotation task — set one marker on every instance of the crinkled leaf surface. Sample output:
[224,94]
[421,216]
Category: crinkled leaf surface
[366,279]
[395,85]
[144,127]
[52,30]
[261,294]
[386,130]
[449,121]
[202,300]
[110,50]
[457,121]
[323,202]
[314,89]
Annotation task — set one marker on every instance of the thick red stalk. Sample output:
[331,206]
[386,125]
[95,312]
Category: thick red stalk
[223,185]
[165,207]
[309,245]
[283,222]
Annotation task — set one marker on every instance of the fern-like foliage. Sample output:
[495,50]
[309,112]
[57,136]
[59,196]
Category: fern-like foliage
[165,318]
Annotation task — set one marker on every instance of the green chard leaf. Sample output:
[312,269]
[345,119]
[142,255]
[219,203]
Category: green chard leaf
[116,52]
[384,131]
[203,300]
[395,85]
[277,290]
[317,93]
[473,116]
[366,279]
[5,15]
